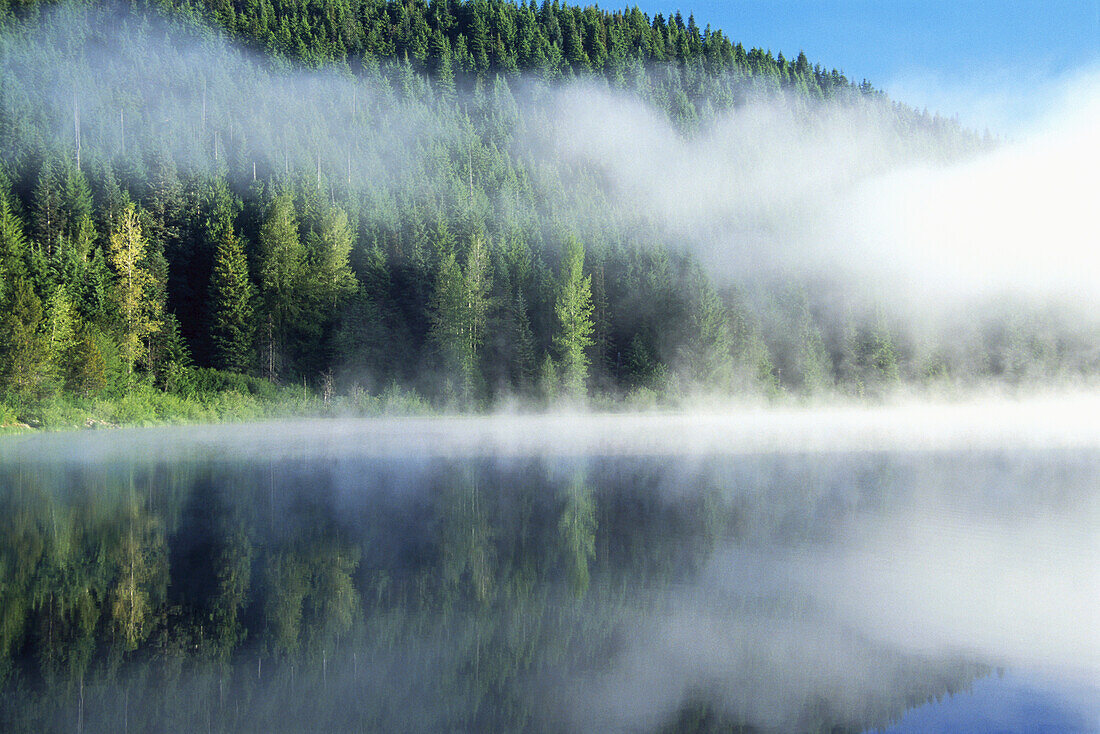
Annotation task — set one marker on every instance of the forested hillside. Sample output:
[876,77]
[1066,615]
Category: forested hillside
[350,198]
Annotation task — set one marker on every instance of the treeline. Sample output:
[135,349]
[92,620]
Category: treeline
[282,596]
[176,215]
[552,40]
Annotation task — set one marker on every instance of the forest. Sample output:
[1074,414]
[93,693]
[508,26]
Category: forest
[216,209]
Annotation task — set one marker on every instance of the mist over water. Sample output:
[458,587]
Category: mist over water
[783,571]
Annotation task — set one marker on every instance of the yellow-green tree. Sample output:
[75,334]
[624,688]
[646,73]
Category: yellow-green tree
[139,311]
[142,569]
[330,249]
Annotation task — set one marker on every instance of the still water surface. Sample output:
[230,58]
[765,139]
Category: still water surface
[687,573]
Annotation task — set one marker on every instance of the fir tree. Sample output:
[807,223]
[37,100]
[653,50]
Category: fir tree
[23,350]
[232,327]
[282,281]
[449,332]
[574,314]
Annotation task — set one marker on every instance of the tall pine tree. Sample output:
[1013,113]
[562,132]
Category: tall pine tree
[574,313]
[232,327]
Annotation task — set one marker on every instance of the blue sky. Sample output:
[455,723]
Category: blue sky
[993,63]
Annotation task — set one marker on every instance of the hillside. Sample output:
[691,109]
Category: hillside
[435,201]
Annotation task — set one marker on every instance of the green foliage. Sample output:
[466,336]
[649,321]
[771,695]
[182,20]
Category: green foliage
[139,313]
[577,528]
[707,356]
[84,365]
[231,294]
[814,364]
[386,227]
[450,328]
[459,307]
[23,350]
[283,282]
[573,309]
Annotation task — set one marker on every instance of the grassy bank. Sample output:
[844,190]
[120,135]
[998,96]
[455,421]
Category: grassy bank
[199,396]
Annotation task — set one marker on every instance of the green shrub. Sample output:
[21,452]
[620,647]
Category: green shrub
[136,408]
[8,416]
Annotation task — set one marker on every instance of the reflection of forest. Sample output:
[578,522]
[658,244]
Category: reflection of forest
[375,595]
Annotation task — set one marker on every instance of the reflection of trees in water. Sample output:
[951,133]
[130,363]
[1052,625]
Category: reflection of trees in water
[366,595]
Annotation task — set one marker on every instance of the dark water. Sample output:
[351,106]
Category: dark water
[370,577]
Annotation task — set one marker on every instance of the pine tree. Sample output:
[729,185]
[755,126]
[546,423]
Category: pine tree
[813,359]
[522,343]
[449,327]
[478,282]
[85,368]
[61,326]
[708,353]
[232,327]
[282,281]
[48,218]
[13,243]
[23,350]
[574,314]
[76,204]
[330,249]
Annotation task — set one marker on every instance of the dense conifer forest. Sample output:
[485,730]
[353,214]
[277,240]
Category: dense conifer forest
[225,209]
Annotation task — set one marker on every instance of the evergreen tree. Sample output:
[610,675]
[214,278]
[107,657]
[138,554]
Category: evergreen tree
[84,366]
[283,278]
[23,350]
[13,243]
[574,314]
[78,212]
[48,214]
[330,248]
[708,353]
[814,364]
[232,328]
[478,283]
[450,328]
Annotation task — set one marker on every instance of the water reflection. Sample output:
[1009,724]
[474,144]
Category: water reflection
[1009,702]
[352,588]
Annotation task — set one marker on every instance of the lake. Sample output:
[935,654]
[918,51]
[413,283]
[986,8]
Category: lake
[923,569]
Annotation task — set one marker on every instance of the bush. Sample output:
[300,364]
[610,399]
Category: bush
[134,408]
[8,416]
[199,382]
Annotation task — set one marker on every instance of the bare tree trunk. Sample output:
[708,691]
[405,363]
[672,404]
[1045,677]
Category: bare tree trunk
[76,128]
